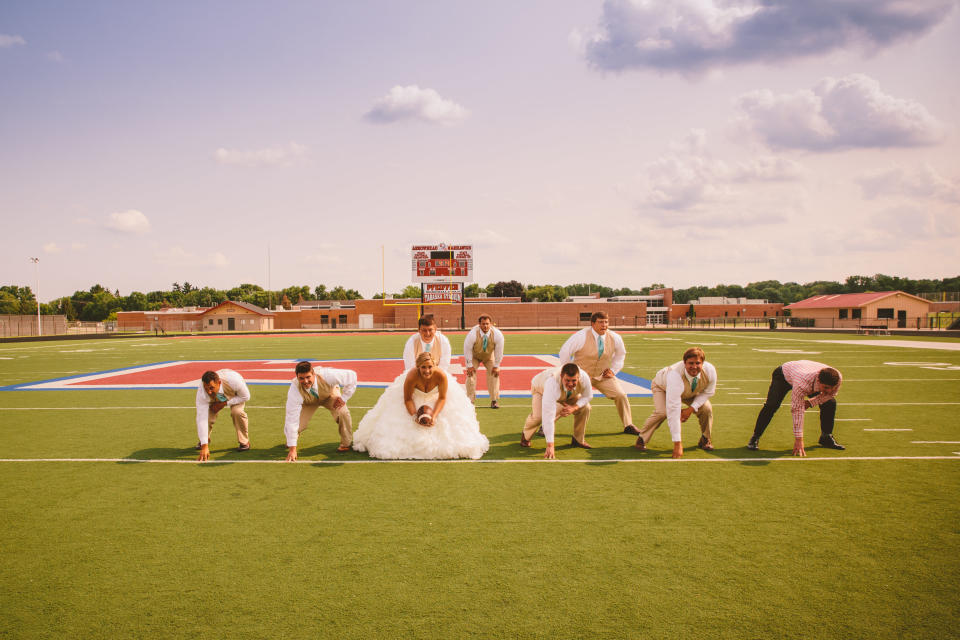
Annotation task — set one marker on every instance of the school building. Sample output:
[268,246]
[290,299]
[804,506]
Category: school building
[657,308]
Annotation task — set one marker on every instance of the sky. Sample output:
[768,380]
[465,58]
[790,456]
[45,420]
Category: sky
[623,142]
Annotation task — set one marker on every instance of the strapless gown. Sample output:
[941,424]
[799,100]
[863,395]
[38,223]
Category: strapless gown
[388,432]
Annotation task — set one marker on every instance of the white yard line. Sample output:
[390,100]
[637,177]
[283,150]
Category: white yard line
[498,461]
[935,442]
[888,429]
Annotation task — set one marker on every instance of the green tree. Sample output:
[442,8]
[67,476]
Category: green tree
[9,303]
[512,289]
[546,293]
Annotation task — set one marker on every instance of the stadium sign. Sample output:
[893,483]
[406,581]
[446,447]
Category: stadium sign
[442,262]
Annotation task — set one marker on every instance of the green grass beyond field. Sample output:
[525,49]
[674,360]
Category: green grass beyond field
[606,543]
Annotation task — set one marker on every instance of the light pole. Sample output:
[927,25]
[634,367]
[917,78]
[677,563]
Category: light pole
[36,271]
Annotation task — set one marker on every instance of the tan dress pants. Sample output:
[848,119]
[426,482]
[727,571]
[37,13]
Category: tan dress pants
[493,382]
[535,419]
[610,387]
[341,416]
[704,415]
[240,422]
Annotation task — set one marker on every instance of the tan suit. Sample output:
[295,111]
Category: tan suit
[237,414]
[588,359]
[552,377]
[659,387]
[326,396]
[484,357]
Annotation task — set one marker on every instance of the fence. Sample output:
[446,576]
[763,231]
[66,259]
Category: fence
[16,325]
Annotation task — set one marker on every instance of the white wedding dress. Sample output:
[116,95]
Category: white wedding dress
[388,432]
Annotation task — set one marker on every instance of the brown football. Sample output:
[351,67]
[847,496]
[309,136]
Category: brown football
[424,414]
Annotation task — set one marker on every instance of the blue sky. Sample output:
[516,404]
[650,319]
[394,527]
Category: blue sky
[622,142]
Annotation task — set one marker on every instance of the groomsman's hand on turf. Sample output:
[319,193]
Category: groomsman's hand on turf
[291,454]
[798,447]
[551,453]
[204,453]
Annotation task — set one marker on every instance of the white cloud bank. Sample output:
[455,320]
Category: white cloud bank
[7,41]
[688,176]
[924,182]
[130,221]
[844,113]
[177,256]
[283,155]
[692,36]
[413,103]
[51,247]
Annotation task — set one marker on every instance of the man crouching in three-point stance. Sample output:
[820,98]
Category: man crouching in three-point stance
[315,388]
[219,389]
[813,385]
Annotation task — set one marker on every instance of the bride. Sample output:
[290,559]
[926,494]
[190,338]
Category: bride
[391,431]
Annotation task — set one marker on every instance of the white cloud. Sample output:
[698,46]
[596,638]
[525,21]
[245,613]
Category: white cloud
[51,247]
[413,103]
[7,41]
[55,56]
[850,112]
[923,182]
[916,223]
[272,156]
[177,256]
[691,36]
[77,246]
[688,176]
[130,221]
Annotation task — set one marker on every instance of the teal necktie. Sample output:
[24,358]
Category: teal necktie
[599,346]
[314,394]
[221,397]
[568,393]
[426,347]
[484,343]
[693,384]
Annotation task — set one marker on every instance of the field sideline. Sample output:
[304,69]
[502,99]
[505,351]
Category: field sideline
[110,530]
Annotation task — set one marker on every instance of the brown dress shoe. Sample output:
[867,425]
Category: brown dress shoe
[704,444]
[632,430]
[494,405]
[582,445]
[640,444]
[244,447]
[523,441]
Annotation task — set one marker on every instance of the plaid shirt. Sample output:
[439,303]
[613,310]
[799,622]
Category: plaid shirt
[802,376]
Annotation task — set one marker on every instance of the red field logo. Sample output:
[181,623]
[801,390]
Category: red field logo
[516,372]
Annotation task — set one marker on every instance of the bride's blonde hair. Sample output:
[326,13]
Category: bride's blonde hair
[423,358]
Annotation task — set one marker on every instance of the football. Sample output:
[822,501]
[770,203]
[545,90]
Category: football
[424,415]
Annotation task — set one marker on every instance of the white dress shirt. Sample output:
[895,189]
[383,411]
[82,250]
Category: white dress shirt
[235,382]
[674,389]
[553,391]
[495,334]
[346,379]
[439,340]
[610,340]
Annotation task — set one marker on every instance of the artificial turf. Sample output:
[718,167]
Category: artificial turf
[731,544]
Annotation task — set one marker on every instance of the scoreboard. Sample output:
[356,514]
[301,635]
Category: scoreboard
[442,262]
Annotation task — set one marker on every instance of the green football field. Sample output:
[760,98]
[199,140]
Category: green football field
[108,530]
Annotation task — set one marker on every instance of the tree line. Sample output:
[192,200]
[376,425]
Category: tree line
[100,303]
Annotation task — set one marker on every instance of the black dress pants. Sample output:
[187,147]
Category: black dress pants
[775,395]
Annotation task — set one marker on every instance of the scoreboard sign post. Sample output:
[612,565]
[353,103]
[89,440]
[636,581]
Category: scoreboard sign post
[442,269]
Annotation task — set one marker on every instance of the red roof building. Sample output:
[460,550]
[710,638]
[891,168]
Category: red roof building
[881,309]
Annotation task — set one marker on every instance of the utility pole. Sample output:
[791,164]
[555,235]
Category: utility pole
[36,271]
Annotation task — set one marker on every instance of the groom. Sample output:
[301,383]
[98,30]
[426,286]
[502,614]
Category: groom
[427,339]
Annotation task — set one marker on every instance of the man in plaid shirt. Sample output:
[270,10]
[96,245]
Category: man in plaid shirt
[813,384]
